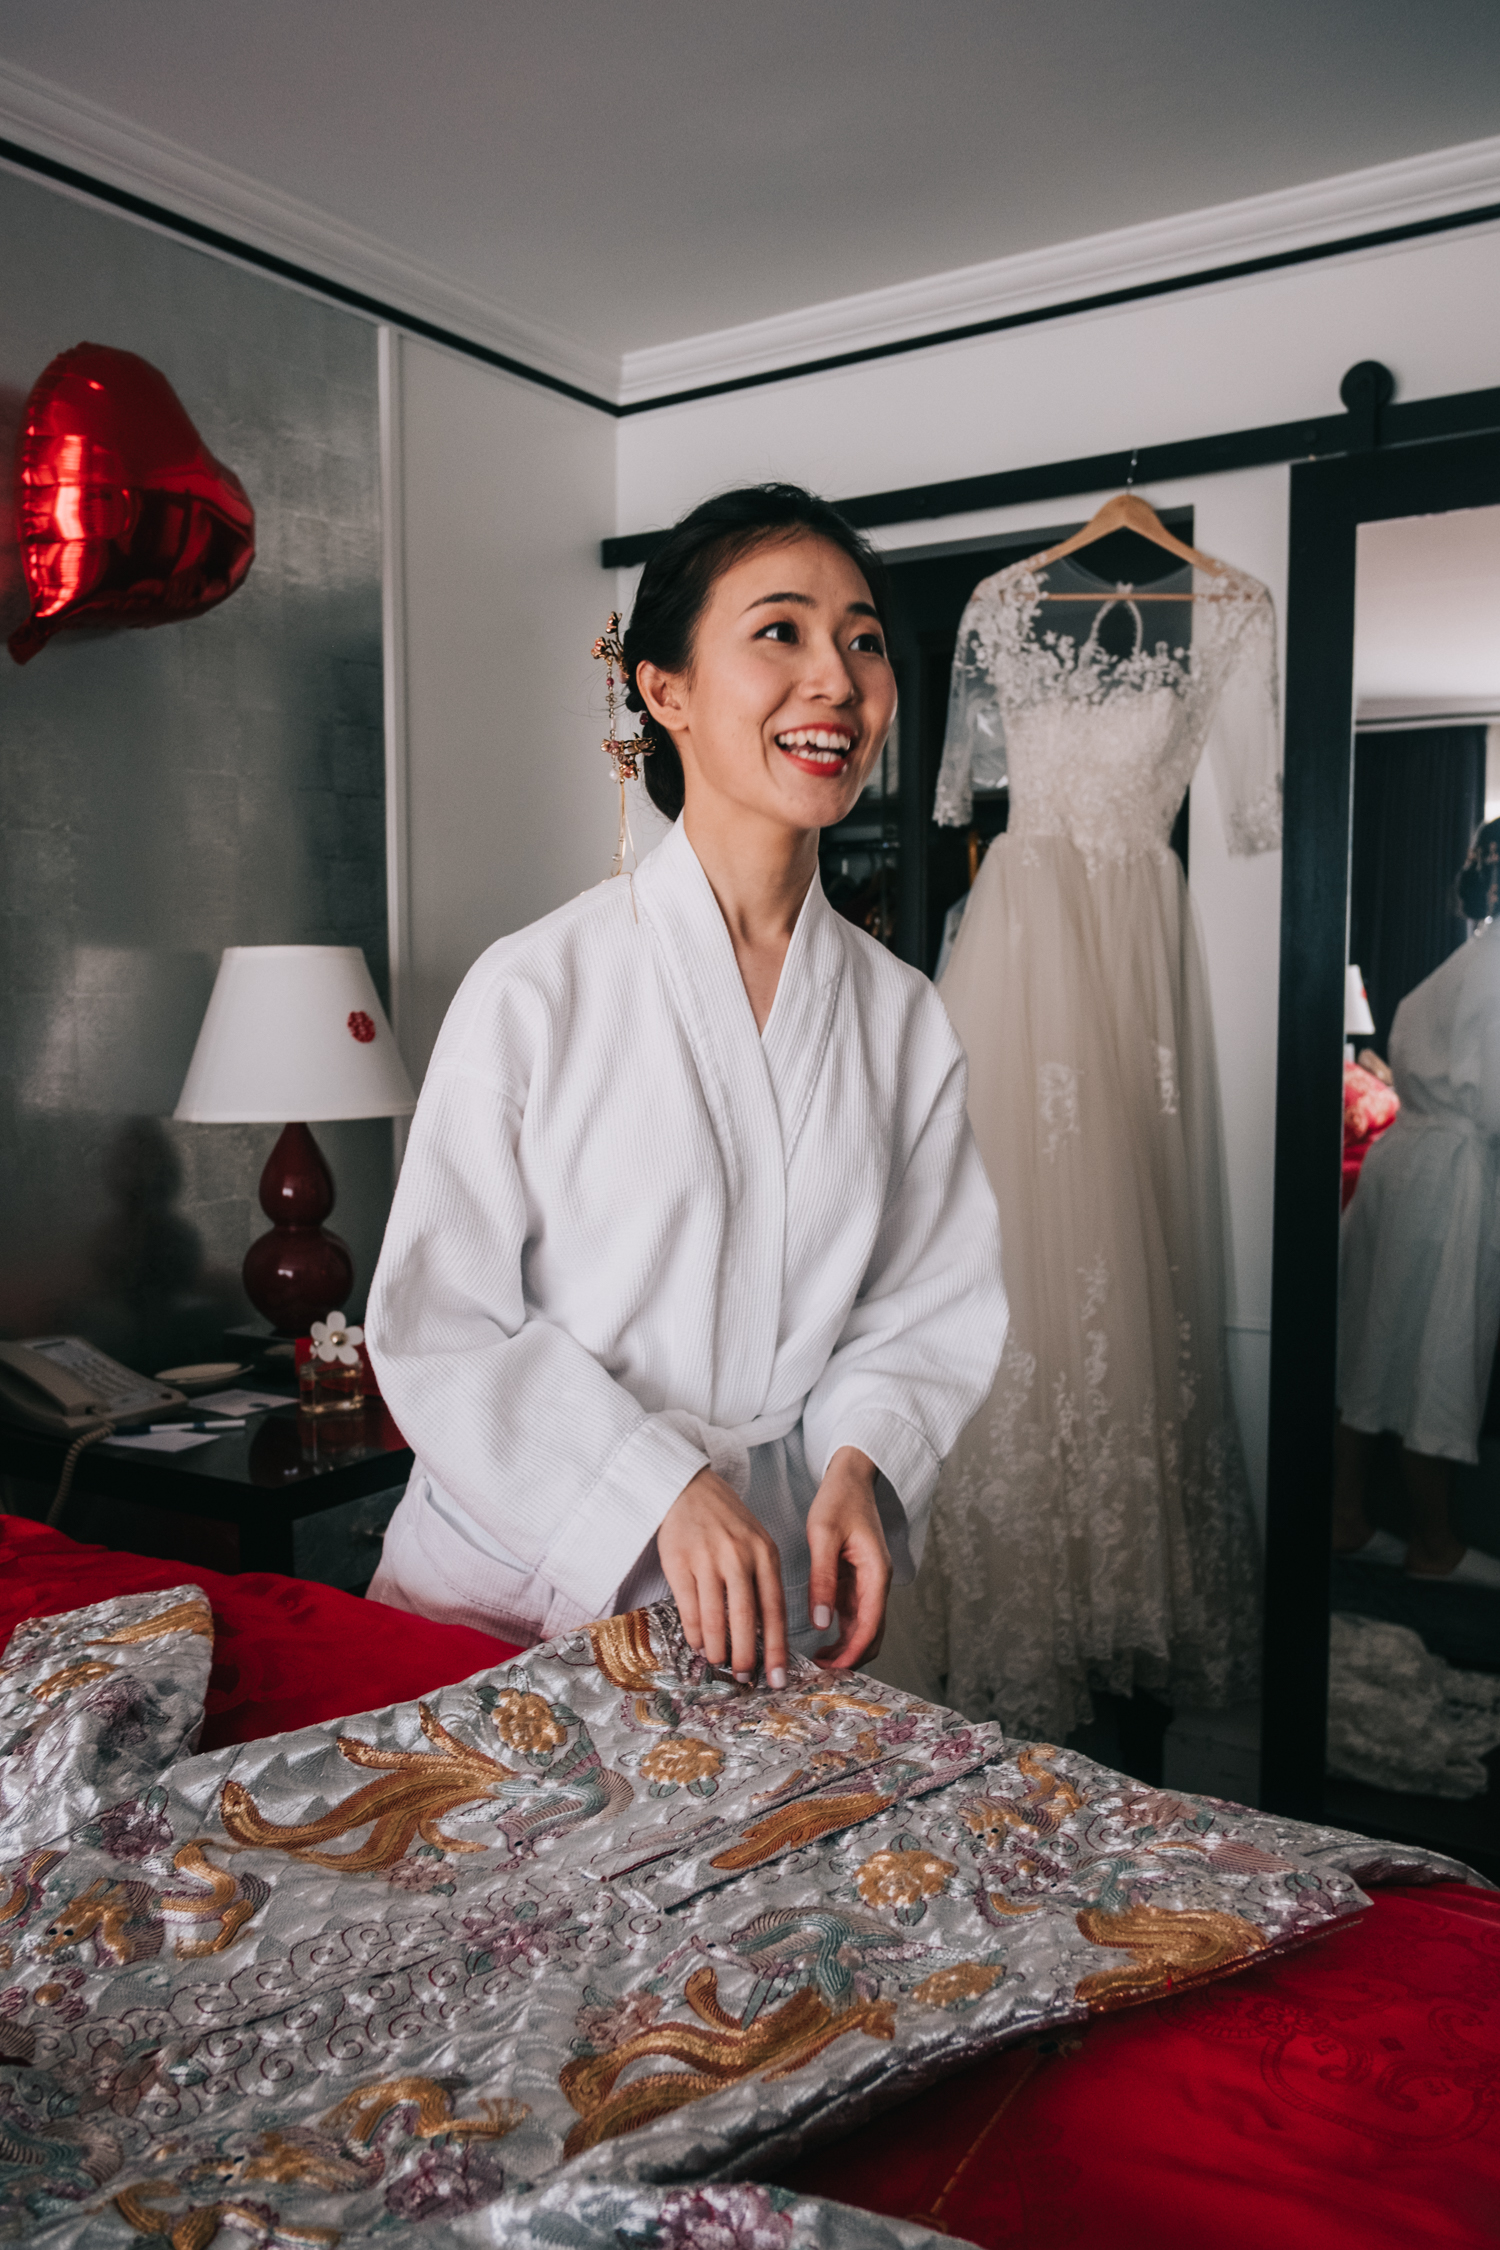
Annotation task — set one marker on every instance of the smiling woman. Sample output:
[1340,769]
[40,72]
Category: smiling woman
[692,1276]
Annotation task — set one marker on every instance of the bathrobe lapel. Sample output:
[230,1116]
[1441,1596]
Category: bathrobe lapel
[795,1040]
[696,961]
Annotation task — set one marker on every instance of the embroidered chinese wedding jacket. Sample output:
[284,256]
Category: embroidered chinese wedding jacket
[633,1238]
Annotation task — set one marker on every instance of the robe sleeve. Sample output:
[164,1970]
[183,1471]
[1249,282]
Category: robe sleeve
[920,1348]
[519,1424]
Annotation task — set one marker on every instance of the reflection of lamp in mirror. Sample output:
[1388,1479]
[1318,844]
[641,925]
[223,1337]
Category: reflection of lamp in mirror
[1358,1021]
[295,1031]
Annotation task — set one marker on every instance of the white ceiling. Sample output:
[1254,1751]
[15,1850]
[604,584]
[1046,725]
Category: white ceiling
[1427,616]
[629,172]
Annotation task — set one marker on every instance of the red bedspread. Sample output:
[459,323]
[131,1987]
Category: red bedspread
[1341,2098]
[287,1652]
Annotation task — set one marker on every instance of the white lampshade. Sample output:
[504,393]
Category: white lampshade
[1358,1021]
[294,1033]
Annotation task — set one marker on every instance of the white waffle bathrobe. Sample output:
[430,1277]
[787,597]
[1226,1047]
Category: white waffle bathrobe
[634,1237]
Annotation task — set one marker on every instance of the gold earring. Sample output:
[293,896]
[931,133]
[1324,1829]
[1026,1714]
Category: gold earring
[624,757]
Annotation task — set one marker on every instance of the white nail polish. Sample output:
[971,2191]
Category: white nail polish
[822,1617]
[778,1677]
[743,1678]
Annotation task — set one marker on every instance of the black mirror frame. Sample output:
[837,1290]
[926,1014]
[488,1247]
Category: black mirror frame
[1330,499]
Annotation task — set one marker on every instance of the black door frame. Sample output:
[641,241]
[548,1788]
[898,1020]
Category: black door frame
[1329,501]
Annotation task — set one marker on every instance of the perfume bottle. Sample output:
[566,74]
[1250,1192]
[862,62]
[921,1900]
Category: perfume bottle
[330,1375]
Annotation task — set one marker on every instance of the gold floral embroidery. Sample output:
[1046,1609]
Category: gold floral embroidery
[1169,1947]
[903,1878]
[947,1988]
[778,2042]
[417,1788]
[525,1722]
[682,1757]
[622,1650]
[795,1825]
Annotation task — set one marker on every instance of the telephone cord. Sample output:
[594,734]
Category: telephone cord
[70,1463]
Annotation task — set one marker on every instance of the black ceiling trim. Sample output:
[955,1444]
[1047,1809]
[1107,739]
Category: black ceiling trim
[286,269]
[376,308]
[1457,414]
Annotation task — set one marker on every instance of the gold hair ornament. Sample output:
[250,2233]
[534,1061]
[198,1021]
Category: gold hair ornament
[624,757]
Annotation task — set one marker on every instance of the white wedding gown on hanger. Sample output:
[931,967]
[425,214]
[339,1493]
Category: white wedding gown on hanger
[1093,1525]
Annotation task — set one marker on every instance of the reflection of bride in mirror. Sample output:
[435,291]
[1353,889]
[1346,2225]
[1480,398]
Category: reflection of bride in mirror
[1419,1275]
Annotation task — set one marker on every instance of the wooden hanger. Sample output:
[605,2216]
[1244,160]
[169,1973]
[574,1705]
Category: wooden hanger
[1129,512]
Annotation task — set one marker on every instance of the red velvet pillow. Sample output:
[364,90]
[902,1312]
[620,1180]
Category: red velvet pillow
[287,1653]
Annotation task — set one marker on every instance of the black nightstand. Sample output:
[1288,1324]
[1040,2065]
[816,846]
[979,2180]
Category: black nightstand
[288,1492]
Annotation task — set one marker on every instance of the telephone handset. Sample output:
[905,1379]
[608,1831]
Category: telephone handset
[64,1386]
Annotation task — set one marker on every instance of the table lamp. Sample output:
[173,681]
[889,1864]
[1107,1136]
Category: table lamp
[1358,1021]
[295,1031]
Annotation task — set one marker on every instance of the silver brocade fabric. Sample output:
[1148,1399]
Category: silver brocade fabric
[559,1954]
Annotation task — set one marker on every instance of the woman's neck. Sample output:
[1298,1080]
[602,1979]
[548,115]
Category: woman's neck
[760,873]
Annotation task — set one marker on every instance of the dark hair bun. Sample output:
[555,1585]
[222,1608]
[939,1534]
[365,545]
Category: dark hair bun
[1479,877]
[677,581]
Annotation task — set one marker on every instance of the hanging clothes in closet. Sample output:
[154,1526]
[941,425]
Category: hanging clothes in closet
[1093,1528]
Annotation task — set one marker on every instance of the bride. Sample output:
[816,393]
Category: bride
[692,1274]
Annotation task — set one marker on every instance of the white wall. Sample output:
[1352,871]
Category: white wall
[501,494]
[1269,350]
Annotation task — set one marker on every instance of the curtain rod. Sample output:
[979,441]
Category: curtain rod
[1369,421]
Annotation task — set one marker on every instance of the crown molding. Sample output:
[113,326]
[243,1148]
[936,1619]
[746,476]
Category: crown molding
[1289,219]
[67,129]
[56,123]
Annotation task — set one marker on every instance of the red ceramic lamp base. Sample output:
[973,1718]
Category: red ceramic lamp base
[299,1272]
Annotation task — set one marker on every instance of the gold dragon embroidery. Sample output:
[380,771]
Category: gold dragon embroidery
[1048,1801]
[195,2228]
[184,1617]
[623,1652]
[417,1788]
[359,2114]
[72,1676]
[126,1920]
[1168,1947]
[723,2051]
[799,1824]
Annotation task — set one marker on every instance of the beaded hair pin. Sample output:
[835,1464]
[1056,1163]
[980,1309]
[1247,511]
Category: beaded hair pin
[624,757]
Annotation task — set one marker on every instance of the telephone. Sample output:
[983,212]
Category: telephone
[64,1386]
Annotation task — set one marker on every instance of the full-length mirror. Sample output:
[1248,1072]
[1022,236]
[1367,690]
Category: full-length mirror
[1414,1664]
[1386,1408]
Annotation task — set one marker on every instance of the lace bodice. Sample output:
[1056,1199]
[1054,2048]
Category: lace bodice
[1097,732]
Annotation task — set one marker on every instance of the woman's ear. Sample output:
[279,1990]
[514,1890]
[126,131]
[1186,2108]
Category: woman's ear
[660,692]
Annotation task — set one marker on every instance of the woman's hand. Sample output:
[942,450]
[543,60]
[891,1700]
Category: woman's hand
[851,1563]
[721,1564]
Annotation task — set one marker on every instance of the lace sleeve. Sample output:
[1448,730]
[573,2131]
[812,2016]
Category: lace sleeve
[1245,739]
[974,745]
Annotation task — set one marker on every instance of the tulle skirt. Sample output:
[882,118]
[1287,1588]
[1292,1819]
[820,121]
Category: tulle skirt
[1093,1526]
[1419,1285]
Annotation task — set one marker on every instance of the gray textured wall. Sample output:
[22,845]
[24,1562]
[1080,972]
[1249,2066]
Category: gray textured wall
[165,793]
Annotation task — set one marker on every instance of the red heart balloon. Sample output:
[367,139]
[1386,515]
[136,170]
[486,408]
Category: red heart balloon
[124,516]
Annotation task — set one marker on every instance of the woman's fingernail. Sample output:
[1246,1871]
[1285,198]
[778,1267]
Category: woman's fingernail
[777,1677]
[822,1617]
[743,1678]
